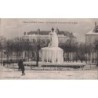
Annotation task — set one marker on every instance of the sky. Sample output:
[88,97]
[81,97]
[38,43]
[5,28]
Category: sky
[13,27]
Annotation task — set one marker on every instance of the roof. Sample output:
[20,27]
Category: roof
[65,33]
[92,32]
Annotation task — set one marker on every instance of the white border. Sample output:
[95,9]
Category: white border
[48,9]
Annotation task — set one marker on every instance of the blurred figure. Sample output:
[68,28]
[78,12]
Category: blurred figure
[21,66]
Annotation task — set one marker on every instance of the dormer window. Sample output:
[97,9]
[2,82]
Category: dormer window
[96,28]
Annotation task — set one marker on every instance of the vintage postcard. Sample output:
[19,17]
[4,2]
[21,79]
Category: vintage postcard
[43,48]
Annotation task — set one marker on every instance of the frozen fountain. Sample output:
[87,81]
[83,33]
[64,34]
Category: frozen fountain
[52,54]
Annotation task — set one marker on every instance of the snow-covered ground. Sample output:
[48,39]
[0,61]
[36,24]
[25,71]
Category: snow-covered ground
[89,72]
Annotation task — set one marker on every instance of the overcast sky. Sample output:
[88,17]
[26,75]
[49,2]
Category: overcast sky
[10,28]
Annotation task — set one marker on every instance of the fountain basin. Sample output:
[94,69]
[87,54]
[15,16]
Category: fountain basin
[52,55]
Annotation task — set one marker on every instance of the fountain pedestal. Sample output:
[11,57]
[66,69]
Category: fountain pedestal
[52,54]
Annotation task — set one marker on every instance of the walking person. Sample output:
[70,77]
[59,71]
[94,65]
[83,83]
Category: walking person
[21,66]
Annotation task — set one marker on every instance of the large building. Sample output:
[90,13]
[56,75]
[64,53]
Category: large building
[92,42]
[63,36]
[92,36]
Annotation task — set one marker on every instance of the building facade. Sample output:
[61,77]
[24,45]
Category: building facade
[63,36]
[91,42]
[92,36]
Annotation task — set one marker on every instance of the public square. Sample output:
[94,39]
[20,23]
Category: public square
[49,73]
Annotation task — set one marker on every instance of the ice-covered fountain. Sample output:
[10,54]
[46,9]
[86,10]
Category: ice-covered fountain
[52,54]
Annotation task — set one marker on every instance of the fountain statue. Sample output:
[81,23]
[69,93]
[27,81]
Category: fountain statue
[52,53]
[53,39]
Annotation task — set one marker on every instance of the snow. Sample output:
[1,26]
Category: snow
[91,33]
[49,63]
[86,73]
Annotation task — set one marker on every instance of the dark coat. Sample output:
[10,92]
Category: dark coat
[20,64]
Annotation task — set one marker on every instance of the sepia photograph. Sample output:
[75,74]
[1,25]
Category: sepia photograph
[49,48]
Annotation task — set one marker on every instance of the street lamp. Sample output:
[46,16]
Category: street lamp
[97,55]
[38,47]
